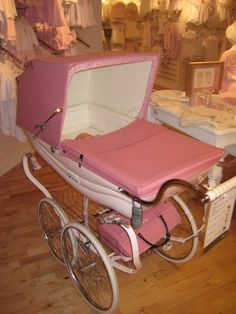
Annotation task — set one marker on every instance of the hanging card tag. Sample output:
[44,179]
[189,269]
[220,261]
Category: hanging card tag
[219,219]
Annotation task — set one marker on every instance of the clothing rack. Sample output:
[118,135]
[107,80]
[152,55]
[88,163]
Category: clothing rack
[82,42]
[52,49]
[76,27]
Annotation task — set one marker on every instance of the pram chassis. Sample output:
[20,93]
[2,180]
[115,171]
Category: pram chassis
[74,244]
[64,231]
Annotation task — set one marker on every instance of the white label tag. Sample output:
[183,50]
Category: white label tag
[220,214]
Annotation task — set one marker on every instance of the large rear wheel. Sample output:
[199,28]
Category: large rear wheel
[183,241]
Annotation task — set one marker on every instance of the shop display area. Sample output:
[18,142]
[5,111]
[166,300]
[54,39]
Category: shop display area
[180,30]
[32,30]
[118,136]
[216,125]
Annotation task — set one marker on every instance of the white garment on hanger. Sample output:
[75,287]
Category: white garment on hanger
[8,100]
[81,14]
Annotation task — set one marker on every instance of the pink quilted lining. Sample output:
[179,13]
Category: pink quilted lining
[142,156]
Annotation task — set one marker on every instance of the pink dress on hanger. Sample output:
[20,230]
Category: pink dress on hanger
[35,12]
[172,40]
[54,13]
[228,90]
[131,11]
[118,11]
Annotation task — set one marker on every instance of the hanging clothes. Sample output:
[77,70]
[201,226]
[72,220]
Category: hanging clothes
[197,11]
[41,11]
[145,7]
[8,100]
[147,36]
[131,11]
[131,30]
[172,40]
[26,41]
[203,12]
[177,5]
[118,10]
[7,19]
[211,48]
[35,12]
[118,34]
[106,10]
[223,9]
[54,13]
[80,14]
[229,77]
[87,13]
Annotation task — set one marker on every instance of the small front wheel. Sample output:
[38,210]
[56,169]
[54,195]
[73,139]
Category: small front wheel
[52,219]
[89,268]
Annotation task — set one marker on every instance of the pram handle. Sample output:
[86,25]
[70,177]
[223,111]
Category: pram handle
[176,182]
[220,190]
[227,164]
[164,187]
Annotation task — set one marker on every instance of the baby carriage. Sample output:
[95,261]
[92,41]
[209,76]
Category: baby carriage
[134,168]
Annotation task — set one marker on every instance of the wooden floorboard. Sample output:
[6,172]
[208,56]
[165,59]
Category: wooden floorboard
[32,281]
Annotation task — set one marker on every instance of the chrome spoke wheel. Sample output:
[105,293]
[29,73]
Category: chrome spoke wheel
[90,268]
[52,219]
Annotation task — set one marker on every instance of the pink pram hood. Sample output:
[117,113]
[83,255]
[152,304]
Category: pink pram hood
[43,87]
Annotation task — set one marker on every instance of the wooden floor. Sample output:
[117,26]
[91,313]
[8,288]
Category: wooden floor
[32,281]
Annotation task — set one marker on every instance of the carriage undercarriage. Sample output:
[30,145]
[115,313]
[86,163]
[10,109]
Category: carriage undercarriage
[70,227]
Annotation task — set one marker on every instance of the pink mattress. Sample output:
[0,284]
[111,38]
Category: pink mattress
[142,156]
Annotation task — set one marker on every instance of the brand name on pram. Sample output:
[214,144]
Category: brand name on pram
[73,177]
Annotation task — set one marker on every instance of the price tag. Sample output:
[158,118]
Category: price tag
[219,218]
